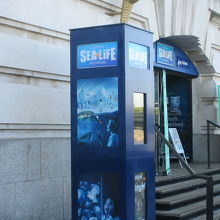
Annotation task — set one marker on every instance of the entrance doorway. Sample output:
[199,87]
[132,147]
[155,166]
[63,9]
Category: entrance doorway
[179,105]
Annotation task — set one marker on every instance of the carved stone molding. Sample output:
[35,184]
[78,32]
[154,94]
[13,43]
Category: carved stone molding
[114,8]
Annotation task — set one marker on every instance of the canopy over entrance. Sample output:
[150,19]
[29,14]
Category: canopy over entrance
[168,56]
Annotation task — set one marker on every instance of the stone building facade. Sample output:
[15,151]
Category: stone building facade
[35,89]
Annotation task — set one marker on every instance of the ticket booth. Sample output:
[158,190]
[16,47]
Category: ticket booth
[112,123]
[180,72]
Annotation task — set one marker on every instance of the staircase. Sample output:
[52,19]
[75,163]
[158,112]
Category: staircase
[184,197]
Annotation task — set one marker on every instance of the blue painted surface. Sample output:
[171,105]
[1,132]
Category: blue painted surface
[170,57]
[97,55]
[92,163]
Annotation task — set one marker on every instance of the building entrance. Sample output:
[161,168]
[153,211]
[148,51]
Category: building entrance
[174,72]
[178,106]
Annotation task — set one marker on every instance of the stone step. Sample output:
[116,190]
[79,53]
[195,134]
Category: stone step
[190,197]
[186,212]
[216,216]
[184,186]
[160,180]
[178,188]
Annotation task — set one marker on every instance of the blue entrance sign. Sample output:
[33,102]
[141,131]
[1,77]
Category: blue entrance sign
[165,54]
[170,57]
[97,55]
[138,56]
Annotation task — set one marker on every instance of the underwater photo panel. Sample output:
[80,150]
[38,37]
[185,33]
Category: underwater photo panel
[97,112]
[99,196]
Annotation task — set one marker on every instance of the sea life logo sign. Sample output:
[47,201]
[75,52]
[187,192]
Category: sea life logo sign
[97,112]
[138,56]
[165,54]
[97,55]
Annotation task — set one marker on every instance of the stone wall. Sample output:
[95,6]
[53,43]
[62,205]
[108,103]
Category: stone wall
[35,179]
[200,153]
[35,60]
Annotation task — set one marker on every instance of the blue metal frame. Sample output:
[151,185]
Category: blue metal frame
[127,159]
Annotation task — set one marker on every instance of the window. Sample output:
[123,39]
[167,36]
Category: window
[139,118]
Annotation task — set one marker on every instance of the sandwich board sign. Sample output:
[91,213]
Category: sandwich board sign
[177,143]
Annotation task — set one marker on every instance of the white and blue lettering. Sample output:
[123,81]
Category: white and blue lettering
[165,54]
[182,63]
[82,56]
[138,56]
[97,55]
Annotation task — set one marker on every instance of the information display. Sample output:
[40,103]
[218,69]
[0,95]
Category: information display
[97,112]
[98,197]
[176,140]
[175,105]
[112,127]
[140,196]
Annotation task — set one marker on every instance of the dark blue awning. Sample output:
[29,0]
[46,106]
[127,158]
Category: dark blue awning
[168,56]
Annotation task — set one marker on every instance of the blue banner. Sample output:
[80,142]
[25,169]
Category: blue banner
[170,57]
[97,55]
[138,56]
[165,54]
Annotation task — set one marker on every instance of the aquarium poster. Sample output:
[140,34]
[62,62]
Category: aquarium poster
[99,197]
[175,104]
[140,196]
[97,112]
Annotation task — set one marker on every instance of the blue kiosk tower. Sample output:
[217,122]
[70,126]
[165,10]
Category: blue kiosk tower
[112,117]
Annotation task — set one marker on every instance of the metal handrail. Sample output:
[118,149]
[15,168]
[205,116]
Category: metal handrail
[208,139]
[209,179]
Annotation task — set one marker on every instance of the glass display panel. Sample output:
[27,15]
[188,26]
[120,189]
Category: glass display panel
[138,56]
[139,118]
[97,112]
[140,196]
[99,197]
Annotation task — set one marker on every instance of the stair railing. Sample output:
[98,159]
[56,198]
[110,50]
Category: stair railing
[209,179]
[208,138]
